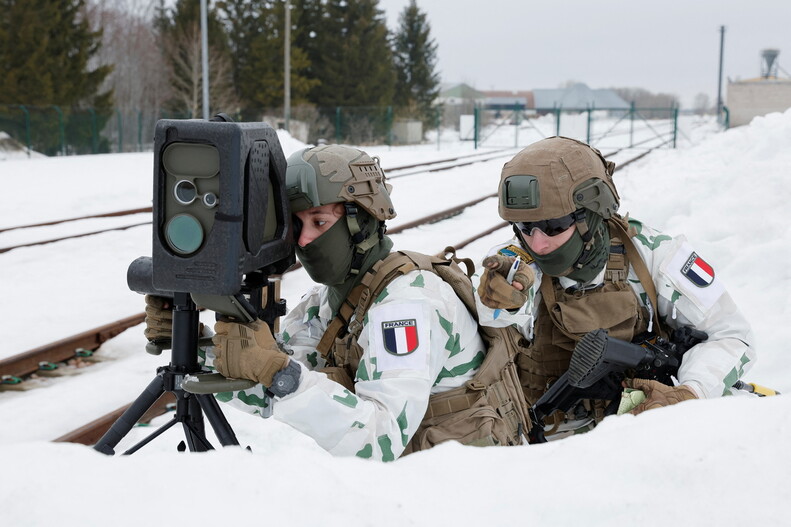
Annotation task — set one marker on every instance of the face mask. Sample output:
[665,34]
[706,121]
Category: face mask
[328,258]
[562,261]
[559,261]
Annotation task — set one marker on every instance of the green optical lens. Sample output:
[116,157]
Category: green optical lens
[184,234]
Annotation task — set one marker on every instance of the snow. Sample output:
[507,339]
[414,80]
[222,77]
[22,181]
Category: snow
[698,463]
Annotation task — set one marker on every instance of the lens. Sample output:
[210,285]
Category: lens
[551,227]
[210,199]
[184,234]
[185,192]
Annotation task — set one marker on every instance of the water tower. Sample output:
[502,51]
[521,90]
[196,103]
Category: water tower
[769,63]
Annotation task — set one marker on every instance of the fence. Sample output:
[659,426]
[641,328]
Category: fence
[600,127]
[53,130]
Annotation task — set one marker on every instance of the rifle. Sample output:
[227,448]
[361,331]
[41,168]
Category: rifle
[600,363]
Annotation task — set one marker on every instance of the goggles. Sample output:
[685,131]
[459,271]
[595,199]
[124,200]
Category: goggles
[551,227]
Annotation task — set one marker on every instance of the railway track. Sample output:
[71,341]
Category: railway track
[46,360]
[429,166]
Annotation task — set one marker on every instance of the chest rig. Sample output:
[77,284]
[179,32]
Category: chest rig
[488,409]
[565,315]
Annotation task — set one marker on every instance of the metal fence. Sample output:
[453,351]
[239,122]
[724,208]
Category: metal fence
[54,130]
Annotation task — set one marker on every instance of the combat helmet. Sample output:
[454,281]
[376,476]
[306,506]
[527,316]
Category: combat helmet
[563,180]
[556,177]
[328,174]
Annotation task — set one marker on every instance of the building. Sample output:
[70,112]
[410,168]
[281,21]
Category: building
[768,93]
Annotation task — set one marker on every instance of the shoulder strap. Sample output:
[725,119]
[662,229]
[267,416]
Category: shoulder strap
[352,310]
[640,269]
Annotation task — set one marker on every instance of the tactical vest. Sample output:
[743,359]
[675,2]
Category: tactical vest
[564,316]
[489,409]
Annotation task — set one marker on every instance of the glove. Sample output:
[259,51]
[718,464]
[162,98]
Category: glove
[658,394]
[159,318]
[495,292]
[247,352]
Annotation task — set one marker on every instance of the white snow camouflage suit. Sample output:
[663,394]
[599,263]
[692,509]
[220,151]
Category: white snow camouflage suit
[709,368]
[438,349]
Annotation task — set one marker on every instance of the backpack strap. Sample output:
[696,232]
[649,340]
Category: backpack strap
[353,309]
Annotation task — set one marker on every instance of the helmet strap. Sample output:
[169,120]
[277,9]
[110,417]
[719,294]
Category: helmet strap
[363,241]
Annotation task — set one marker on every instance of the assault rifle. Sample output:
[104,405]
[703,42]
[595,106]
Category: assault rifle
[600,363]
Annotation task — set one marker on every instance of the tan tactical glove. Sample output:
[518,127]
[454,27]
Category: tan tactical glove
[159,318]
[247,352]
[658,394]
[494,289]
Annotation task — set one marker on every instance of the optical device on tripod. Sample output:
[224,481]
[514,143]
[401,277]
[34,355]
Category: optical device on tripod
[221,229]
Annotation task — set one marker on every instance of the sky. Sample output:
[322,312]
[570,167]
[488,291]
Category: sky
[698,463]
[668,47]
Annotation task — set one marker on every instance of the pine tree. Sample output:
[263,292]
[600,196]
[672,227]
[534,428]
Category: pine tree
[47,52]
[355,65]
[415,59]
[256,31]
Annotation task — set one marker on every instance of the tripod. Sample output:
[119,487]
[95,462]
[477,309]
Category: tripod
[190,407]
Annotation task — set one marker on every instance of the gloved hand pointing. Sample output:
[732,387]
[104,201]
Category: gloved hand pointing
[495,291]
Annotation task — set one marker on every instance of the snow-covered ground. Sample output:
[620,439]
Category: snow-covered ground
[700,463]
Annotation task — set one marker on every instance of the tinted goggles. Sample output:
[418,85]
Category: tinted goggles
[551,227]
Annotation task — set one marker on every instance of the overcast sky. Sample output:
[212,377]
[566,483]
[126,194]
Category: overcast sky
[670,46]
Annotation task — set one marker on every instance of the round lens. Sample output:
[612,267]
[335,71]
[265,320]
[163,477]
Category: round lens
[185,192]
[210,199]
[184,234]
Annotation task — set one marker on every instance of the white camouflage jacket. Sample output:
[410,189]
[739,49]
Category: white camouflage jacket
[418,338]
[689,294]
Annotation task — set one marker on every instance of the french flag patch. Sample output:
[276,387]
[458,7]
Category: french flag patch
[698,271]
[400,336]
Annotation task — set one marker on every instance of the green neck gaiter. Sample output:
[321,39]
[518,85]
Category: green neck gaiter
[328,260]
[338,293]
[561,261]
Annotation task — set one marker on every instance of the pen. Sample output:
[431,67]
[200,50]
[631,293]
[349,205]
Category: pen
[512,271]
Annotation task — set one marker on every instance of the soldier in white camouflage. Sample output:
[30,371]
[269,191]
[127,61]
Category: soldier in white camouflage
[583,267]
[364,396]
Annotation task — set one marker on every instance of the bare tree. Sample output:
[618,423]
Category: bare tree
[139,79]
[183,50]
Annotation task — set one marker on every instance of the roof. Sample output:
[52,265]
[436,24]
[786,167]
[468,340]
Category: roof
[578,96]
[461,91]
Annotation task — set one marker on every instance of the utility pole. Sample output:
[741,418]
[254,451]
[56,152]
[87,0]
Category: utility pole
[719,80]
[287,69]
[205,56]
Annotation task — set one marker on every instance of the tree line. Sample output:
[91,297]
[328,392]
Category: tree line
[143,57]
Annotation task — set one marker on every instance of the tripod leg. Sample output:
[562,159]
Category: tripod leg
[130,417]
[188,411]
[217,420]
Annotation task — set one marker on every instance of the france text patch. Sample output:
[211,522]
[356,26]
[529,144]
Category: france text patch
[698,271]
[400,336]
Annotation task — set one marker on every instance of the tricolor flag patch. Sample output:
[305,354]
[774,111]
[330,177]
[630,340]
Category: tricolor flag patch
[698,271]
[400,336]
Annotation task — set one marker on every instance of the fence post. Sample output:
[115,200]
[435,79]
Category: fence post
[337,124]
[94,147]
[120,131]
[390,126]
[675,124]
[439,120]
[27,128]
[588,132]
[476,125]
[631,125]
[557,121]
[139,130]
[517,115]
[61,131]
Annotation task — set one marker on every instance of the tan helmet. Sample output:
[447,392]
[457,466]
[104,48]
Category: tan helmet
[555,177]
[336,174]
